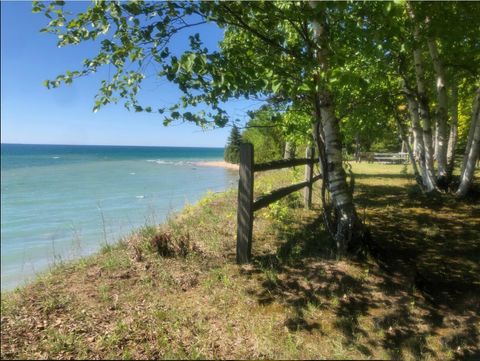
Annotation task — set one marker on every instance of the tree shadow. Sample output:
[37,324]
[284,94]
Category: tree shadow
[418,248]
[386,175]
[428,239]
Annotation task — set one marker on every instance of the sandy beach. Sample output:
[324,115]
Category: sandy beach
[217,164]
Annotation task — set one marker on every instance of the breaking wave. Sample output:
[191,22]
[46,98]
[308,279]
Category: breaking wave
[171,162]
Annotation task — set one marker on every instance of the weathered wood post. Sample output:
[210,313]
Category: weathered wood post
[307,191]
[245,204]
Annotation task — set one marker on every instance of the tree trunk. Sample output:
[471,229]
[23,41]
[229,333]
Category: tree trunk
[425,117]
[289,151]
[346,221]
[452,140]
[338,187]
[413,140]
[472,151]
[475,110]
[442,112]
[405,143]
[357,148]
[423,102]
[428,182]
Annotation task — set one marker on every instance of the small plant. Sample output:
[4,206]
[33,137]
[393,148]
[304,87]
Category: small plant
[115,261]
[291,345]
[412,304]
[364,275]
[148,232]
[431,231]
[60,341]
[170,245]
[278,211]
[218,276]
[271,275]
[335,301]
[103,292]
[55,302]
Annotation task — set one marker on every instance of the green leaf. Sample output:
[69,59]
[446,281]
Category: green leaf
[276,85]
[188,62]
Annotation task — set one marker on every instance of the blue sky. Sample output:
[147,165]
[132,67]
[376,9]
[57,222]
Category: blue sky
[30,113]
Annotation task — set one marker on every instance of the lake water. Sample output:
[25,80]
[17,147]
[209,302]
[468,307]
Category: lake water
[59,202]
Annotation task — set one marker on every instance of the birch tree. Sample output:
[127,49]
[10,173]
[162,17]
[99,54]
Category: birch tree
[442,109]
[472,151]
[445,25]
[428,43]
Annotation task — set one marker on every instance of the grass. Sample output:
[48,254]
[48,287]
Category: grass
[417,299]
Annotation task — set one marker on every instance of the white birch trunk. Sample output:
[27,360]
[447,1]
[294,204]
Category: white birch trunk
[423,103]
[337,182]
[472,151]
[475,110]
[413,140]
[418,141]
[452,140]
[442,112]
[425,117]
[406,145]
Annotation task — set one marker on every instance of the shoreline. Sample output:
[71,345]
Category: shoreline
[221,164]
[24,271]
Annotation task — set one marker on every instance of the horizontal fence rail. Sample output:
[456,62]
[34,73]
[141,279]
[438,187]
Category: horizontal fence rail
[316,178]
[390,157]
[383,157]
[274,196]
[247,205]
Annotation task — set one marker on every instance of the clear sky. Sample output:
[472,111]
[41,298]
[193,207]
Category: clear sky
[30,113]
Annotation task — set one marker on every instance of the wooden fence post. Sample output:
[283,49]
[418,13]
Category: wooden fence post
[307,191]
[245,204]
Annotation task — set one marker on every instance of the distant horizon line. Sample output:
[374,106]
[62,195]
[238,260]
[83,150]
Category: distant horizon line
[113,145]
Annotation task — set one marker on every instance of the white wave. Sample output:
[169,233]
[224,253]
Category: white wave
[139,197]
[171,162]
[55,157]
[132,173]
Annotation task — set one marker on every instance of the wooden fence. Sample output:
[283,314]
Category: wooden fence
[383,157]
[247,205]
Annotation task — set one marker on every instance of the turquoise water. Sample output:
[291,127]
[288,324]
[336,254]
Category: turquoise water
[60,202]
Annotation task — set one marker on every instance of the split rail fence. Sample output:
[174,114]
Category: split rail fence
[386,158]
[247,205]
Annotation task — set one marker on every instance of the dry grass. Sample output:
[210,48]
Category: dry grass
[294,301]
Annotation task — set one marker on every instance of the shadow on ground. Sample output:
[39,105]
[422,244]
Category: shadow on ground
[427,285]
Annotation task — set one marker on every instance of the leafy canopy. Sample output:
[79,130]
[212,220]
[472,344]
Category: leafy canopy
[267,53]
